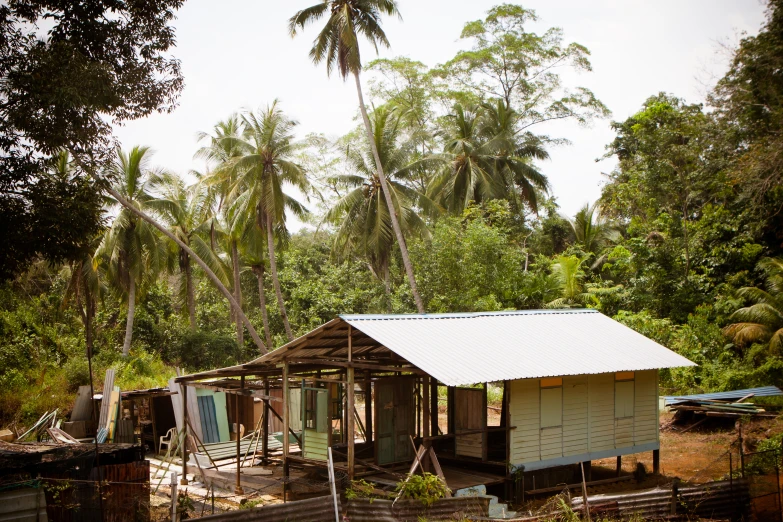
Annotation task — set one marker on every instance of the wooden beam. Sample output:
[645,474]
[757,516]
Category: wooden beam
[265,427]
[237,417]
[184,389]
[434,406]
[286,428]
[367,407]
[355,364]
[350,429]
[261,394]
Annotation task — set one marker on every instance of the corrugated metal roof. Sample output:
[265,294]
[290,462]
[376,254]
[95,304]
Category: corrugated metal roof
[469,348]
[764,391]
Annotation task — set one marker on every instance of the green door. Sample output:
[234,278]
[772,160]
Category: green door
[394,420]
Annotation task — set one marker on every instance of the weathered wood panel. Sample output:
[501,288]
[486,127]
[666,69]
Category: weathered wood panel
[469,403]
[646,407]
[600,391]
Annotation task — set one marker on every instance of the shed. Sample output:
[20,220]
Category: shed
[577,386]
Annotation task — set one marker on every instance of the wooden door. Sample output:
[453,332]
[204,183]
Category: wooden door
[394,420]
[316,424]
[470,415]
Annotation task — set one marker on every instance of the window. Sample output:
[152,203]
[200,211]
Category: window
[551,402]
[624,395]
[315,410]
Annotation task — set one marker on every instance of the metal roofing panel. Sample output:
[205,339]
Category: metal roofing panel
[460,349]
[764,391]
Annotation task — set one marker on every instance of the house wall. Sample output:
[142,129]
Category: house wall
[588,417]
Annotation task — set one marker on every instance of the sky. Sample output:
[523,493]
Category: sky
[237,54]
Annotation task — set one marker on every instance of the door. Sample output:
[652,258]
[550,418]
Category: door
[316,423]
[470,415]
[394,420]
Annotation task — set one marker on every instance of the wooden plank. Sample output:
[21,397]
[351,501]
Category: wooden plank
[82,408]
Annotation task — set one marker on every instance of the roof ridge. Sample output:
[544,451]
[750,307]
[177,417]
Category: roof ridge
[466,315]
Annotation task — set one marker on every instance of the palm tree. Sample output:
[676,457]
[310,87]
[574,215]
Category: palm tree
[188,213]
[362,217]
[264,168]
[569,274]
[132,250]
[253,246]
[592,231]
[223,149]
[485,159]
[338,45]
[86,164]
[761,322]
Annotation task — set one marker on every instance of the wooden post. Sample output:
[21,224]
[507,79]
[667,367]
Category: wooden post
[434,406]
[425,402]
[174,497]
[155,439]
[485,435]
[368,406]
[619,465]
[450,409]
[238,487]
[286,423]
[584,493]
[656,461]
[184,388]
[425,421]
[265,427]
[350,406]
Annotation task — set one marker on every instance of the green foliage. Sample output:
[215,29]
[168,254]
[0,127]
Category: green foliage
[361,489]
[427,487]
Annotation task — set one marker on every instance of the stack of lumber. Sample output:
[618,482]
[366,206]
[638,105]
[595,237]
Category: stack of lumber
[713,408]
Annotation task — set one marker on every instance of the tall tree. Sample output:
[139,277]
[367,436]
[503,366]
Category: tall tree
[362,217]
[131,248]
[188,213]
[484,159]
[521,68]
[591,230]
[338,45]
[68,70]
[265,167]
[762,321]
[223,149]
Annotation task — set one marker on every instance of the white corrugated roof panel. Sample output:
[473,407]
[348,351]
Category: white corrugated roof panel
[461,349]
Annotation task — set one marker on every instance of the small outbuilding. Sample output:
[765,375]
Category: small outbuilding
[576,386]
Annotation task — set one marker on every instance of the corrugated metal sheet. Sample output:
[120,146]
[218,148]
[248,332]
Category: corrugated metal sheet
[379,510]
[460,349]
[23,505]
[726,499]
[764,391]
[320,509]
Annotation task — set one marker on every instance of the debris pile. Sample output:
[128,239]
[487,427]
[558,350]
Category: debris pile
[712,408]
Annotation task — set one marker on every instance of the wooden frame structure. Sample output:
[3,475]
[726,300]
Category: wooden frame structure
[401,413]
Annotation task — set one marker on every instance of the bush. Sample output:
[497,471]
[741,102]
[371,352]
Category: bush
[427,487]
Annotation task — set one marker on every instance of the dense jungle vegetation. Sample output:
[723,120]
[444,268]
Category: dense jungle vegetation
[684,245]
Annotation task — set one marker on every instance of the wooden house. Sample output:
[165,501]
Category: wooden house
[576,386]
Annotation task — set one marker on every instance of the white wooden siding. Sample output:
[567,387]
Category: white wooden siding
[525,415]
[646,408]
[590,417]
[575,428]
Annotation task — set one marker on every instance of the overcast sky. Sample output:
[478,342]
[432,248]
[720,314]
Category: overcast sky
[237,54]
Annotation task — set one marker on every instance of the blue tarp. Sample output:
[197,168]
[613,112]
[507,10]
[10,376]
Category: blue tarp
[765,391]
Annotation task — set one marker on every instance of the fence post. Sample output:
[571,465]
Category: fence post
[174,497]
[675,491]
[741,450]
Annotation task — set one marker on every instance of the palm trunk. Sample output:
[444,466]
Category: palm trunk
[406,260]
[191,297]
[214,278]
[131,313]
[270,239]
[237,292]
[387,287]
[258,270]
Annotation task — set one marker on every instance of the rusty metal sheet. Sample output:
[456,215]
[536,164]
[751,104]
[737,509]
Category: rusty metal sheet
[460,508]
[319,509]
